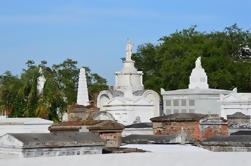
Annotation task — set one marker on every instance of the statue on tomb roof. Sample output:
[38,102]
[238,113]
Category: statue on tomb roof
[198,77]
[40,82]
[198,62]
[129,51]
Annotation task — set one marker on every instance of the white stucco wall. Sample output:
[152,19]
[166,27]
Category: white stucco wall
[203,103]
[235,102]
[207,106]
[128,114]
[231,108]
[132,81]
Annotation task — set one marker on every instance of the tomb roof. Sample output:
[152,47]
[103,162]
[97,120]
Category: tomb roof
[238,115]
[140,125]
[196,91]
[178,117]
[24,121]
[40,140]
[107,125]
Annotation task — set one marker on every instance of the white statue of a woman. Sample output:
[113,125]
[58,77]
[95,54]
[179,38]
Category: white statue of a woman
[198,62]
[129,51]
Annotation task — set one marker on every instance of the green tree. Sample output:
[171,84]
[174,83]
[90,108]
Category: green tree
[169,63]
[67,77]
[19,96]
[95,84]
[10,100]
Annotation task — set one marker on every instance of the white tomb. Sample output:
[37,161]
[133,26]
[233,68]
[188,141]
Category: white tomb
[128,102]
[235,102]
[23,125]
[82,96]
[198,98]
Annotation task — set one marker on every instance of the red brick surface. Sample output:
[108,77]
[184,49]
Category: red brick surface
[193,129]
[112,139]
[171,128]
[213,130]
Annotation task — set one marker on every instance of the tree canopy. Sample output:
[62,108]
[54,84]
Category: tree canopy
[169,63]
[19,96]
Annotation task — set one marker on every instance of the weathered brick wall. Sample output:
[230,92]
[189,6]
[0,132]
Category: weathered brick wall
[112,139]
[75,116]
[193,129]
[169,128]
[208,131]
[76,112]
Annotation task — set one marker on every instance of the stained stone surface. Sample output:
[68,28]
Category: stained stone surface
[50,144]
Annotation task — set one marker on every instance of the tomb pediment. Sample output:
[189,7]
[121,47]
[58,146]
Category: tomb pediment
[117,101]
[10,141]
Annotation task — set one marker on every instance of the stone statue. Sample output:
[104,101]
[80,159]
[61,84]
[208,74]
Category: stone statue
[65,117]
[235,90]
[198,77]
[40,82]
[129,51]
[198,62]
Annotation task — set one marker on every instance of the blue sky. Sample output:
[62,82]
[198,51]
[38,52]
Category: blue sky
[95,32]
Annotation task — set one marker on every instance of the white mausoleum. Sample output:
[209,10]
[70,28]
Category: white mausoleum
[198,98]
[128,102]
[235,102]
